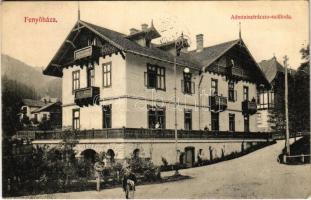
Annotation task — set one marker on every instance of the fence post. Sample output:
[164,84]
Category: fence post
[302,158]
[284,158]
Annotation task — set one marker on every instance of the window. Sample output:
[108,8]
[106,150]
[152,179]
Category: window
[75,80]
[215,121]
[265,99]
[188,119]
[156,117]
[246,123]
[231,92]
[231,122]
[107,116]
[44,117]
[214,87]
[90,75]
[188,86]
[245,93]
[271,99]
[107,74]
[76,119]
[155,77]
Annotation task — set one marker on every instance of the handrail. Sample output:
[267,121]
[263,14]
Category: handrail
[142,133]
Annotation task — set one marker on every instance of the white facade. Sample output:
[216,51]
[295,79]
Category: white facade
[129,96]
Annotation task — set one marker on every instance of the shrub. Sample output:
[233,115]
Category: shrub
[164,161]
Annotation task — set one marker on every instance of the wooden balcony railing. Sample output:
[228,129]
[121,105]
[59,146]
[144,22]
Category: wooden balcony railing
[237,73]
[249,107]
[87,96]
[218,103]
[87,52]
[141,133]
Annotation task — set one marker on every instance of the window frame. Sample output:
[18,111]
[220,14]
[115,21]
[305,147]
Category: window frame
[74,119]
[231,92]
[107,114]
[107,73]
[231,122]
[75,80]
[188,111]
[90,75]
[268,102]
[190,88]
[157,115]
[159,75]
[215,87]
[246,123]
[214,119]
[245,93]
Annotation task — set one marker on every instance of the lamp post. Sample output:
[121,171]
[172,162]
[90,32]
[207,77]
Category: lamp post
[180,43]
[287,147]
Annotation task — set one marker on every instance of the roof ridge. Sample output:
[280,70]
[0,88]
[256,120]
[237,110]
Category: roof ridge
[218,44]
[123,34]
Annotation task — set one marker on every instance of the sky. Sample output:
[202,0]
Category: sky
[36,44]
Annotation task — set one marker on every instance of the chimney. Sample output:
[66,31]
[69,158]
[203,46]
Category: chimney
[133,30]
[199,38]
[144,27]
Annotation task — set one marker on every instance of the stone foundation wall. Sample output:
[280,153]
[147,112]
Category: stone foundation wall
[190,150]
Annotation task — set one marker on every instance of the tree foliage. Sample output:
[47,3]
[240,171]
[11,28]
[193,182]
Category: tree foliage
[302,93]
[12,94]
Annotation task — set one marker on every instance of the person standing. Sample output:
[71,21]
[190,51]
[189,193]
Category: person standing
[99,168]
[129,181]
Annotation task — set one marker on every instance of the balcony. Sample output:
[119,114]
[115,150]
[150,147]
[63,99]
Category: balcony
[87,96]
[236,73]
[249,107]
[141,133]
[218,103]
[92,52]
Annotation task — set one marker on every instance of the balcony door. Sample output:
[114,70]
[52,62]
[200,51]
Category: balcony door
[90,75]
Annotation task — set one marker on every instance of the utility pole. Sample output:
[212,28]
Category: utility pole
[175,107]
[180,43]
[286,107]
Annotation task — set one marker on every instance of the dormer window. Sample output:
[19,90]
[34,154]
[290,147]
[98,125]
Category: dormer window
[144,36]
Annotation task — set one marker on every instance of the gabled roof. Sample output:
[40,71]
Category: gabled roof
[270,68]
[121,42]
[209,54]
[46,107]
[151,32]
[129,46]
[33,103]
[195,60]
